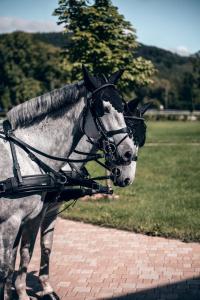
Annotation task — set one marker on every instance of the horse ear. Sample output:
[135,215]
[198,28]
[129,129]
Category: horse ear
[89,80]
[144,108]
[132,105]
[115,76]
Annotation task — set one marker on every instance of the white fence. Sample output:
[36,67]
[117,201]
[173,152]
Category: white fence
[170,114]
[1,121]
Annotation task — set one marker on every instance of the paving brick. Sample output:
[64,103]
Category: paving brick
[90,263]
[82,289]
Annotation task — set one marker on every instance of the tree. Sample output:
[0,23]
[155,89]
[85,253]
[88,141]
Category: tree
[195,59]
[27,68]
[103,40]
[186,91]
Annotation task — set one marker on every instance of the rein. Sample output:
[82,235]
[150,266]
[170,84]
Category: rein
[9,136]
[23,145]
[60,183]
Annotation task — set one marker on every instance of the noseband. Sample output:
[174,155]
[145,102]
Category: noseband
[105,143]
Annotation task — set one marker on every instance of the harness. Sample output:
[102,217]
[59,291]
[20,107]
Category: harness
[53,181]
[63,184]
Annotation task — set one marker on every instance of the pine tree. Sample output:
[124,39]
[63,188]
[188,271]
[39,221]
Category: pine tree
[103,40]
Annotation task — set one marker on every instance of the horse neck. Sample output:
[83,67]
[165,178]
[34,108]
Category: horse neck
[56,133]
[83,146]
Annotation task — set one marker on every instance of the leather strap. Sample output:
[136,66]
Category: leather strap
[118,131]
[20,143]
[99,89]
[16,167]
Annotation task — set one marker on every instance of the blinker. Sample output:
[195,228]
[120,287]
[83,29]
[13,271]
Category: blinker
[97,107]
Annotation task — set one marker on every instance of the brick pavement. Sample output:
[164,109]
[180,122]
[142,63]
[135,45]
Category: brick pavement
[90,262]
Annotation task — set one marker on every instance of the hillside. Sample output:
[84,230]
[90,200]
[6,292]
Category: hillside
[161,58]
[157,55]
[176,84]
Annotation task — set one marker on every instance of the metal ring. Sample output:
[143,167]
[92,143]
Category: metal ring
[62,179]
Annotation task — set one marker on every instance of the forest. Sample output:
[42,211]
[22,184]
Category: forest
[32,64]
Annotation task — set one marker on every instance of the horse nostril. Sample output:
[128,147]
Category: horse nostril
[116,172]
[128,155]
[127,181]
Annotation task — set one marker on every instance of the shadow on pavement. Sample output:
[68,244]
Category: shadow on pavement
[183,290]
[33,285]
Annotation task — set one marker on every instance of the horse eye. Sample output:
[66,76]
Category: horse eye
[106,110]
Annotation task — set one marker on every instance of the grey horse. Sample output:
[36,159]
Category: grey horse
[50,211]
[47,222]
[52,123]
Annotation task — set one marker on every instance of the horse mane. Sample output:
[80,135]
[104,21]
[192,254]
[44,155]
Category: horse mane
[36,108]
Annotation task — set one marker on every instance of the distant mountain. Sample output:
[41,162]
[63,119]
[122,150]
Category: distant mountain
[60,39]
[176,84]
[161,55]
[165,61]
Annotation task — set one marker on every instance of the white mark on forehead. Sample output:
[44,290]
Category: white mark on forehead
[107,104]
[113,119]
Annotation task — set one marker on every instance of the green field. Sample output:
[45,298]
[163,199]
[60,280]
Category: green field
[164,200]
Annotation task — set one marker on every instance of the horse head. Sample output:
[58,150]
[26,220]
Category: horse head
[104,122]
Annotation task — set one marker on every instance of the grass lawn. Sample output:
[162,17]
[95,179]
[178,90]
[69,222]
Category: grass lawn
[164,200]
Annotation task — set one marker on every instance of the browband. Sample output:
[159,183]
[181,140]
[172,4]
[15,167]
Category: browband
[99,89]
[118,131]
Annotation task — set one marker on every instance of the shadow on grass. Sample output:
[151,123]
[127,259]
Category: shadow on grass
[182,290]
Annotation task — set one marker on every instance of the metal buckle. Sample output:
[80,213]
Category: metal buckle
[109,147]
[63,179]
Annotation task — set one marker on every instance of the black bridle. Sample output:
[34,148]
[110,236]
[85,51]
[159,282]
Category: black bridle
[105,143]
[135,129]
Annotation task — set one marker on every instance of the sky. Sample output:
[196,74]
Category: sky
[170,24]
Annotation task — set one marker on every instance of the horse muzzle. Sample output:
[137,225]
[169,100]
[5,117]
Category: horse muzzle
[117,180]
